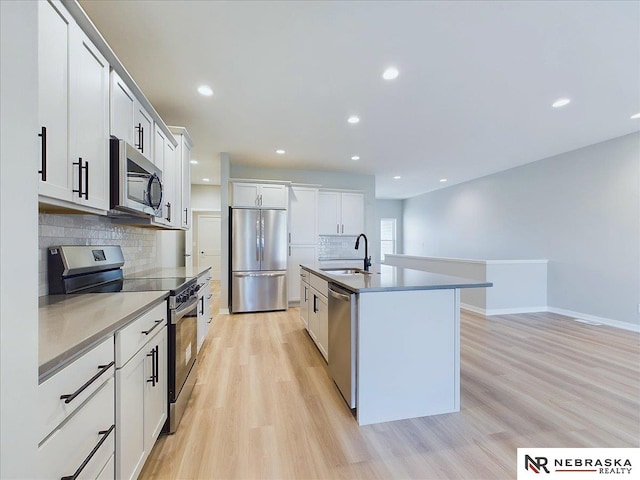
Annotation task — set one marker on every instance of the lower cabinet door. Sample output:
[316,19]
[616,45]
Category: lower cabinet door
[155,398]
[130,390]
[109,470]
[65,451]
[304,304]
[323,327]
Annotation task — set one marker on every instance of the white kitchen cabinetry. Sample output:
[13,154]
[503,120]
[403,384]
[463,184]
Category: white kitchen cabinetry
[317,310]
[129,120]
[77,413]
[164,157]
[204,306]
[73,92]
[183,186]
[340,213]
[141,389]
[303,234]
[305,292]
[259,195]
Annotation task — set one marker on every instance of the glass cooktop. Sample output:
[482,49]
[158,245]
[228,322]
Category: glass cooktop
[172,284]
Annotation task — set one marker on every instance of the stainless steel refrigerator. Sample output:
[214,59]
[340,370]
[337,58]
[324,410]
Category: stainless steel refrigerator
[258,255]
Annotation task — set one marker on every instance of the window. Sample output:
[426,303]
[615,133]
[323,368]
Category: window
[387,236]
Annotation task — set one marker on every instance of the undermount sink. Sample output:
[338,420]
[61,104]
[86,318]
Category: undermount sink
[345,271]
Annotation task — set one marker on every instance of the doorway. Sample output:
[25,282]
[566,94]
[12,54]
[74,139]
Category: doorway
[208,242]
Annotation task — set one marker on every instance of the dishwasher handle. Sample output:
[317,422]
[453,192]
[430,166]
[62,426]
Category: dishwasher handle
[338,295]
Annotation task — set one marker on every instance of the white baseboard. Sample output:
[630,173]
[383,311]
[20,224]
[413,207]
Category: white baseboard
[224,311]
[592,318]
[501,311]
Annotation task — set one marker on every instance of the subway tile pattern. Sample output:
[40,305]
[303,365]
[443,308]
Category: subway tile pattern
[138,244]
[338,247]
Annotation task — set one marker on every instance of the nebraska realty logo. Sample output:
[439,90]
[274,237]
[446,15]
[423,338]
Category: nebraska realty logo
[582,463]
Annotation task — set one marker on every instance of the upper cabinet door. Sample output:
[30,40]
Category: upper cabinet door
[273,196]
[186,184]
[245,195]
[303,216]
[171,208]
[122,108]
[329,213]
[352,213]
[54,32]
[89,122]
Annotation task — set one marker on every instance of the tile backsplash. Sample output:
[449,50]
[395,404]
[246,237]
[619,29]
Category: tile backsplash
[338,247]
[139,245]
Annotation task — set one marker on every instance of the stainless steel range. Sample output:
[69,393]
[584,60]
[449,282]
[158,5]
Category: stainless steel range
[97,269]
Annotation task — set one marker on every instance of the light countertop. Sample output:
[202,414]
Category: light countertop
[70,324]
[389,278]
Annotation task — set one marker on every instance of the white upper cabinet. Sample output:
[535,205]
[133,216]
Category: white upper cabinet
[303,216]
[122,108]
[171,184]
[89,122]
[129,120]
[340,213]
[182,194]
[259,195]
[74,114]
[54,32]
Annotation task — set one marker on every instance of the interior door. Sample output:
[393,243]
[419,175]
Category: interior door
[208,243]
[245,240]
[274,239]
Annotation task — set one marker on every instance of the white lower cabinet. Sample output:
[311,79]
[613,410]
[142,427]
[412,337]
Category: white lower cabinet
[314,310]
[141,397]
[204,306]
[77,406]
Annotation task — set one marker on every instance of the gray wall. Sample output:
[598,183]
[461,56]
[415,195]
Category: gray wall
[580,210]
[390,209]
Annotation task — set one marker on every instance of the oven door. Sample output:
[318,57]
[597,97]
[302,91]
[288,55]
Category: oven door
[183,344]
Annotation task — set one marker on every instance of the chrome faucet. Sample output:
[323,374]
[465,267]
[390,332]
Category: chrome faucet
[367,258]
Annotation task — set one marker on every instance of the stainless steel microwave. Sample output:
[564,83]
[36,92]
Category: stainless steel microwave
[136,183]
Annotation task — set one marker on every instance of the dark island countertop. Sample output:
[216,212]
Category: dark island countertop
[383,278]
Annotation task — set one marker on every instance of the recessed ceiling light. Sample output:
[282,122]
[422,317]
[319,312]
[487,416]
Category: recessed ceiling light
[205,180]
[635,116]
[390,73]
[355,157]
[353,119]
[280,151]
[195,162]
[443,180]
[397,177]
[205,90]
[561,102]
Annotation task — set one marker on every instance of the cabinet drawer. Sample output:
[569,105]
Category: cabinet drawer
[70,381]
[304,276]
[73,442]
[320,284]
[134,336]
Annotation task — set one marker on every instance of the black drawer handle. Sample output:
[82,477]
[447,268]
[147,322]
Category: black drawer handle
[43,136]
[147,332]
[70,397]
[105,434]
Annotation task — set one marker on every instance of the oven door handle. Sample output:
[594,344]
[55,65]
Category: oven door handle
[177,315]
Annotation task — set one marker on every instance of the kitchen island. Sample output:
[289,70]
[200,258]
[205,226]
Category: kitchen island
[407,341]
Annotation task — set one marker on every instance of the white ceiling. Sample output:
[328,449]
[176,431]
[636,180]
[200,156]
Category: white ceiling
[474,94]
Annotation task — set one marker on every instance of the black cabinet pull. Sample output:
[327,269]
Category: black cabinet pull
[139,146]
[147,332]
[105,434]
[71,396]
[86,180]
[43,159]
[152,380]
[315,308]
[168,217]
[157,363]
[80,168]
[186,216]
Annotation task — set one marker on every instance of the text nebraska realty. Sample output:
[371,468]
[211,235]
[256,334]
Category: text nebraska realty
[607,465]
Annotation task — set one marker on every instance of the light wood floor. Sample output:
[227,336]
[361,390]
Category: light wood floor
[265,407]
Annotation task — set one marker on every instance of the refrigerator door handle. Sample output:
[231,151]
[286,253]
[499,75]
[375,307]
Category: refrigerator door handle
[262,230]
[258,240]
[279,274]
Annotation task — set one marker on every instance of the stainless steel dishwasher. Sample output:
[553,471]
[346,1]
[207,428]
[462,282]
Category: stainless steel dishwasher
[342,341]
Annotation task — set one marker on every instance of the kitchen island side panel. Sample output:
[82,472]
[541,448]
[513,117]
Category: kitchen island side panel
[408,359]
